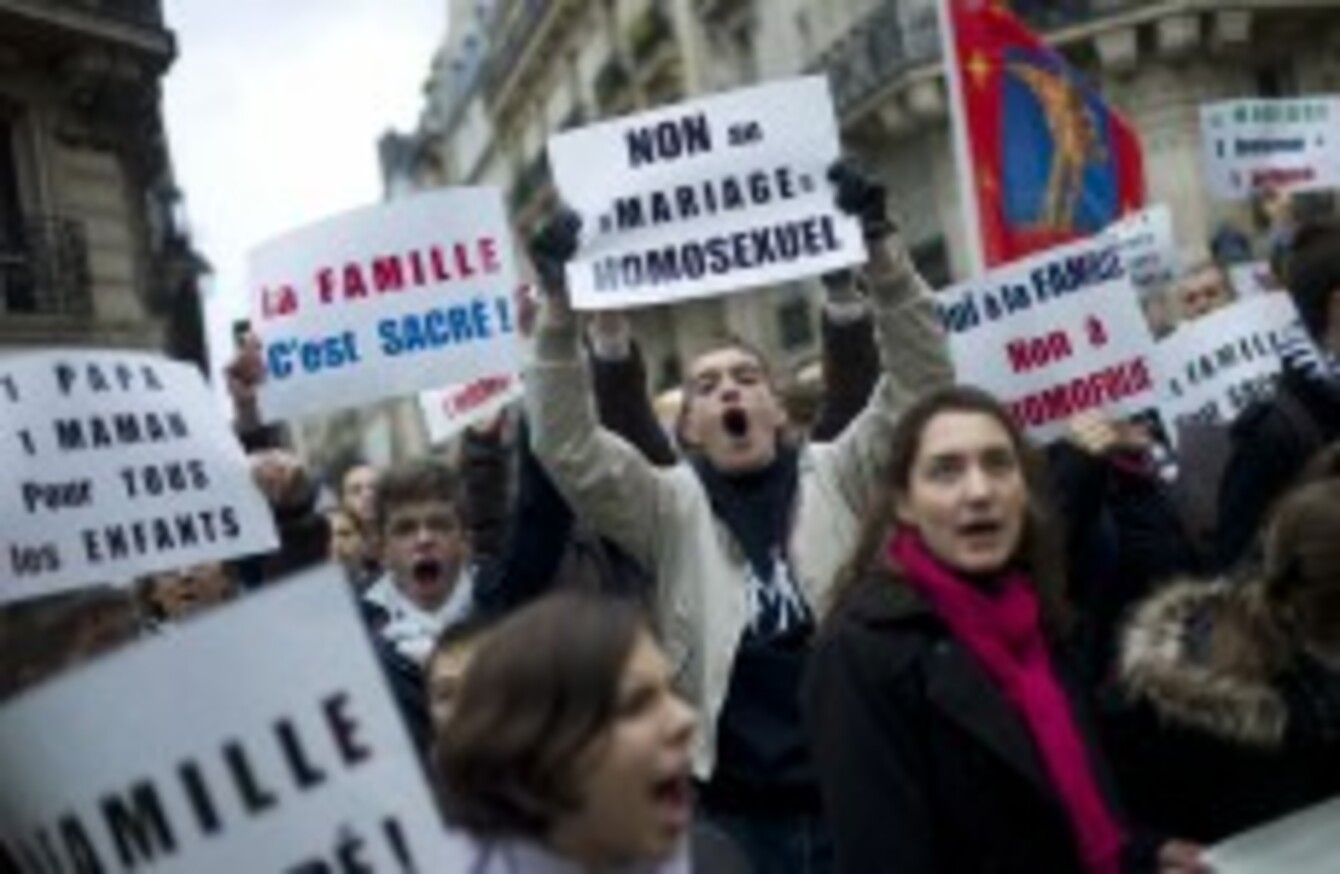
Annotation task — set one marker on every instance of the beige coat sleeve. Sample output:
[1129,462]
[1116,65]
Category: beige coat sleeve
[607,482]
[914,359]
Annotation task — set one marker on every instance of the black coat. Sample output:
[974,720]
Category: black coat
[923,764]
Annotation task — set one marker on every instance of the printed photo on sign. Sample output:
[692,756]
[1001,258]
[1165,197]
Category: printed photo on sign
[385,301]
[706,197]
[116,464]
[1213,368]
[1054,336]
[447,412]
[290,758]
[1252,146]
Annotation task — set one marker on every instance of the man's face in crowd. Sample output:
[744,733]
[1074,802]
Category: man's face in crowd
[346,539]
[358,493]
[1201,292]
[731,413]
[423,548]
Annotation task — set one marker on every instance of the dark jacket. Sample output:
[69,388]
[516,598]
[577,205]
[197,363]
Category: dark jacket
[924,766]
[1205,737]
[1272,441]
[850,370]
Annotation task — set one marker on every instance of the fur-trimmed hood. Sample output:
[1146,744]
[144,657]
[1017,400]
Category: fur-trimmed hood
[1207,656]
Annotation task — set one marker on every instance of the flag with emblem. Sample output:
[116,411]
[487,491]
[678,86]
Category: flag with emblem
[1044,158]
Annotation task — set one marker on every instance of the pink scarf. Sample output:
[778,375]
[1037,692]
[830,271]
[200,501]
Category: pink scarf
[1002,632]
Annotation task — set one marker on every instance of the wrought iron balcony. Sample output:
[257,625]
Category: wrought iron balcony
[45,269]
[886,44]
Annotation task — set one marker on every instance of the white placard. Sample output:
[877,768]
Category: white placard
[1289,144]
[1305,841]
[447,412]
[1214,367]
[115,464]
[706,197]
[385,301]
[1147,246]
[1249,280]
[1054,336]
[259,738]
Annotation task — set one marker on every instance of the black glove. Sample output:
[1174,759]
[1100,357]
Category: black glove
[553,246]
[862,196]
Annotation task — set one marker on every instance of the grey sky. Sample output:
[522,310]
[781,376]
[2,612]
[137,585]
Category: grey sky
[274,108]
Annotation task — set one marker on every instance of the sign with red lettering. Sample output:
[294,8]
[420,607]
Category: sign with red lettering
[447,412]
[385,301]
[1290,144]
[1054,335]
[289,758]
[721,194]
[115,464]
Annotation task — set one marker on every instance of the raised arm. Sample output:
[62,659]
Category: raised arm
[850,356]
[606,481]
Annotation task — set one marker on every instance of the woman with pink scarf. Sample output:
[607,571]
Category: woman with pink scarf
[946,731]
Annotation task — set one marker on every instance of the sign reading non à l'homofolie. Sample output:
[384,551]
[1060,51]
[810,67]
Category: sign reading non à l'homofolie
[715,195]
[115,464]
[1054,336]
[386,301]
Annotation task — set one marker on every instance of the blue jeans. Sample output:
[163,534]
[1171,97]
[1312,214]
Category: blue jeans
[778,843]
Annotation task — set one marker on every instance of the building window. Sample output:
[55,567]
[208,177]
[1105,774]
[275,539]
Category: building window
[1278,80]
[17,293]
[795,324]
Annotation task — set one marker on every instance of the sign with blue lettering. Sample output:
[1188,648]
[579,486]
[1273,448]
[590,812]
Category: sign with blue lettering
[115,464]
[1214,367]
[289,758]
[385,301]
[1054,335]
[1288,144]
[716,195]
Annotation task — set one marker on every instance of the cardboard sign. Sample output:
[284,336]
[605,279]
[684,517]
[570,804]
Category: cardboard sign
[1249,280]
[447,412]
[1303,841]
[705,197]
[258,738]
[1212,368]
[1054,336]
[1250,146]
[116,464]
[385,301]
[1145,240]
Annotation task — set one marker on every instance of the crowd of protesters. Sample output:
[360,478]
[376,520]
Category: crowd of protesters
[897,637]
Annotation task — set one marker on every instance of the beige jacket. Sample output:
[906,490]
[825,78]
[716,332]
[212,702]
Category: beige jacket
[663,518]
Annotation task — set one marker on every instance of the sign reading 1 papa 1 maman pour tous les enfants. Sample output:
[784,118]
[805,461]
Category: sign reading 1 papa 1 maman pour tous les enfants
[386,301]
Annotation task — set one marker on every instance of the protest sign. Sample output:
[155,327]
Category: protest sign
[447,412]
[257,738]
[700,198]
[1053,336]
[1249,280]
[115,464]
[1305,841]
[385,301]
[1250,146]
[1213,367]
[1145,241]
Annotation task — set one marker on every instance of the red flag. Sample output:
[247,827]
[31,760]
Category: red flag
[1048,160]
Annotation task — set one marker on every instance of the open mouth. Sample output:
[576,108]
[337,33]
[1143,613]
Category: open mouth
[674,795]
[981,528]
[427,571]
[735,421]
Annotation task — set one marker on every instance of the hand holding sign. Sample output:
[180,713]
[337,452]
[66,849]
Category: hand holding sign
[863,197]
[551,249]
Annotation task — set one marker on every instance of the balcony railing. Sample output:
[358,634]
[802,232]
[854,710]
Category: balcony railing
[45,270]
[884,46]
[141,13]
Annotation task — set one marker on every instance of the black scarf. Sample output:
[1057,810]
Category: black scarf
[756,506]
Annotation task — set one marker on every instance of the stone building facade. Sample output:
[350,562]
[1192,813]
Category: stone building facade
[516,71]
[93,247]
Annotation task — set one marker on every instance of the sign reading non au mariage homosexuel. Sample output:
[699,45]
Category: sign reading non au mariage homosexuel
[386,301]
[720,194]
[259,738]
[116,464]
